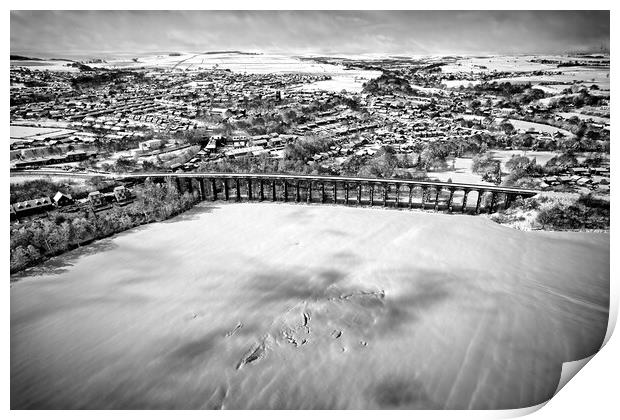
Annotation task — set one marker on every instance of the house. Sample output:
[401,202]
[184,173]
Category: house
[211,145]
[580,171]
[254,150]
[122,194]
[29,207]
[239,141]
[176,167]
[75,156]
[62,199]
[96,199]
[600,171]
[149,145]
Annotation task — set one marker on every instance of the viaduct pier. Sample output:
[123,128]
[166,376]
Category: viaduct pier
[372,192]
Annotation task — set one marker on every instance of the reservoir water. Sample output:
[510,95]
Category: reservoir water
[261,305]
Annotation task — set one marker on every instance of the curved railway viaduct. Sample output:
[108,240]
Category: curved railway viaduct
[395,193]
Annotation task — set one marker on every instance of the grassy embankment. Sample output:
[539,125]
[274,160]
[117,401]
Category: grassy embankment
[557,211]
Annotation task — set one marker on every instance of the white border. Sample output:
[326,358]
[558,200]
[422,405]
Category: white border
[591,395]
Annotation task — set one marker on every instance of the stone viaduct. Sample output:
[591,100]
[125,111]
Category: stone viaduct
[394,193]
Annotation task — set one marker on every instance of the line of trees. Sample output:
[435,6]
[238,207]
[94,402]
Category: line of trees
[37,188]
[523,171]
[298,159]
[295,160]
[488,167]
[550,212]
[587,212]
[386,163]
[387,83]
[40,239]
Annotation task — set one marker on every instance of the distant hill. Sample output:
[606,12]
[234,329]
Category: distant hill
[230,52]
[80,66]
[22,58]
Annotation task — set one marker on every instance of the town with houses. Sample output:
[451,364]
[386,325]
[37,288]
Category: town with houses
[434,115]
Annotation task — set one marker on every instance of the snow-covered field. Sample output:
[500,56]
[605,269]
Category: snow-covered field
[42,65]
[240,63]
[261,305]
[42,123]
[19,132]
[543,128]
[577,75]
[22,132]
[542,157]
[461,173]
[495,63]
[551,89]
[584,117]
[350,80]
[458,83]
[568,75]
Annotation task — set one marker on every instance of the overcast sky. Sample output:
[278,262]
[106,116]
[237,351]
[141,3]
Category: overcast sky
[50,33]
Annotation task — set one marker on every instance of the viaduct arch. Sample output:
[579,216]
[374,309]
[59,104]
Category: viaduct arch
[394,193]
